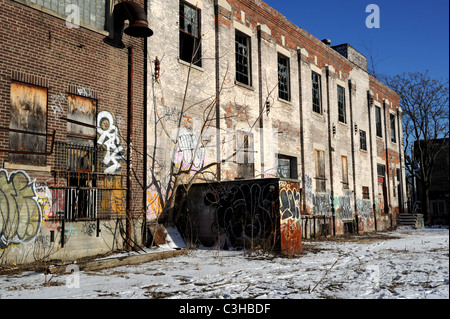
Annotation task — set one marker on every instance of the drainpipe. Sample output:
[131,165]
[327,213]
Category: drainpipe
[217,59]
[302,141]
[370,97]
[144,122]
[330,152]
[388,174]
[129,146]
[261,110]
[352,138]
[401,159]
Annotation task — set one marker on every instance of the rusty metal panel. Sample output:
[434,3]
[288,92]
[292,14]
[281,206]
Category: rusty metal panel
[28,113]
[81,117]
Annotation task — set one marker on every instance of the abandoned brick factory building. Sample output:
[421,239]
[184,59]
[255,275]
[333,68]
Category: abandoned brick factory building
[220,117]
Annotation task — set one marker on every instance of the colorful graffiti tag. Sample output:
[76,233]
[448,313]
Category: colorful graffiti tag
[290,223]
[20,212]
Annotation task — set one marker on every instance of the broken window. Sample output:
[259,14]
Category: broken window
[316,93]
[320,171]
[190,34]
[381,170]
[243,58]
[284,85]
[245,155]
[341,104]
[287,167]
[378,121]
[362,140]
[344,171]
[28,124]
[393,136]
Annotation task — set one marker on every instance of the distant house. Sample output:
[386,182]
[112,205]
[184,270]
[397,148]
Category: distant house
[439,190]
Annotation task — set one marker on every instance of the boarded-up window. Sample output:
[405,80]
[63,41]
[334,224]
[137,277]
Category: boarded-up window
[28,120]
[320,171]
[344,171]
[245,155]
[81,133]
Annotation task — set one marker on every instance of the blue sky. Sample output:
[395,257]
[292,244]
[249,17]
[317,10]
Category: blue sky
[413,35]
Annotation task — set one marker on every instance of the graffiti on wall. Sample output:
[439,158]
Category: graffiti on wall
[154,204]
[322,204]
[20,212]
[109,138]
[290,223]
[345,207]
[364,208]
[245,212]
[190,152]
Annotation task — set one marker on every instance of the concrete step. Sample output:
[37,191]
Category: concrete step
[407,219]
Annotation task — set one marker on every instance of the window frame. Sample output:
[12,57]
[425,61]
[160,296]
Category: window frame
[320,174]
[341,105]
[316,107]
[378,122]
[393,128]
[240,76]
[344,166]
[362,140]
[195,56]
[284,94]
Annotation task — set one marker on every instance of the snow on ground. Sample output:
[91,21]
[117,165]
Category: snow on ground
[407,263]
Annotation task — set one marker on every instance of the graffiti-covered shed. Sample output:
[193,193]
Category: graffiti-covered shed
[70,83]
[251,213]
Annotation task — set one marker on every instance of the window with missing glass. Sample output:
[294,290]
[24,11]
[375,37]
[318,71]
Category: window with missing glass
[284,85]
[91,12]
[190,34]
[378,124]
[341,104]
[362,140]
[287,167]
[316,93]
[392,122]
[243,58]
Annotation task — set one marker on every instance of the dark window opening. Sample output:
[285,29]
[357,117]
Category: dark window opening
[362,140]
[284,85]
[341,104]
[365,192]
[287,167]
[378,124]
[316,93]
[243,59]
[190,34]
[393,136]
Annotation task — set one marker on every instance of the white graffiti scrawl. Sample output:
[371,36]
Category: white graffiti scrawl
[109,138]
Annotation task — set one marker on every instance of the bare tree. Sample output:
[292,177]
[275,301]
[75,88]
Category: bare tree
[425,105]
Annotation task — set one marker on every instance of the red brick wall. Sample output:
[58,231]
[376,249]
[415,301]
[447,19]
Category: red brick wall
[38,48]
